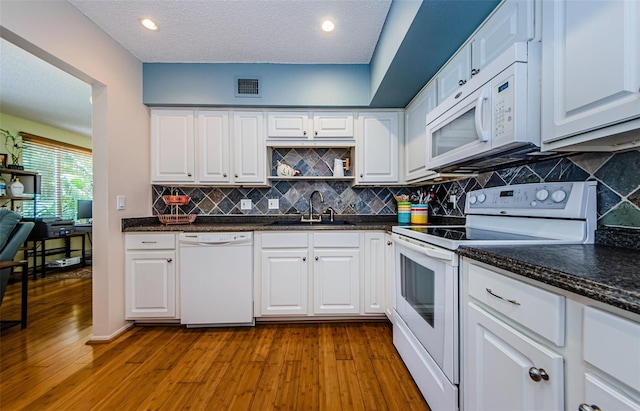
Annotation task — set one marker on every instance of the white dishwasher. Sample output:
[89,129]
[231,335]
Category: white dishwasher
[216,279]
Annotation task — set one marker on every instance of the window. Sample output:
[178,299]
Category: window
[66,176]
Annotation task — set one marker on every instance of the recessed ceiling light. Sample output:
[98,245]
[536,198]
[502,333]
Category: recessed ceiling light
[149,24]
[328,25]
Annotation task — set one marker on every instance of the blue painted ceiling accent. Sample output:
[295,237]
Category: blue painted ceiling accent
[438,30]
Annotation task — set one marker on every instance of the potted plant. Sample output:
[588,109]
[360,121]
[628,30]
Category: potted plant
[14,148]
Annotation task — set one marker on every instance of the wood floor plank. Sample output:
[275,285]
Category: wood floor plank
[366,373]
[309,390]
[329,386]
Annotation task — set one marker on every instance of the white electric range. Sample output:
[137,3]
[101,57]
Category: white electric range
[425,329]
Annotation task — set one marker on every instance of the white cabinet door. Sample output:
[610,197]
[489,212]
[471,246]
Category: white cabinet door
[249,148]
[150,284]
[590,66]
[336,281]
[213,153]
[389,279]
[375,267]
[499,361]
[288,124]
[332,125]
[454,74]
[377,148]
[284,282]
[172,146]
[415,147]
[512,22]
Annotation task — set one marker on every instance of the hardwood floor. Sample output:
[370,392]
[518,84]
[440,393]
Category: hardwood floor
[330,366]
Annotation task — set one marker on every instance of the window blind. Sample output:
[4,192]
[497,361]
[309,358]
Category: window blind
[66,176]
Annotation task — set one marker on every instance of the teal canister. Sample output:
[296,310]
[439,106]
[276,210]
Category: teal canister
[404,212]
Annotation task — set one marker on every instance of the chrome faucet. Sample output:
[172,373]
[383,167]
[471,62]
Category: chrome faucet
[311,219]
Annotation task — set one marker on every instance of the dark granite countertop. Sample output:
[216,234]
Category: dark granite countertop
[260,223]
[604,273]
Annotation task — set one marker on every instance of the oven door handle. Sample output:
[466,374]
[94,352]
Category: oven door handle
[425,249]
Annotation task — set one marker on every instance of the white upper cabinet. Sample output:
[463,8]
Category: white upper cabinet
[249,148]
[309,128]
[590,74]
[511,22]
[212,146]
[332,125]
[377,148]
[288,124]
[172,146]
[415,146]
[198,147]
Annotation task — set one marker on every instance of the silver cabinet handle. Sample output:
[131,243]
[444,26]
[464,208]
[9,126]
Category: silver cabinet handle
[169,260]
[224,174]
[149,242]
[236,175]
[389,243]
[304,258]
[304,133]
[315,132]
[538,374]
[316,258]
[361,175]
[474,72]
[587,407]
[189,174]
[514,302]
[462,82]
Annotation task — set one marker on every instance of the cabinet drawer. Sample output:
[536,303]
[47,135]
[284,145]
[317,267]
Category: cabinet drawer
[539,310]
[333,239]
[612,344]
[285,240]
[150,241]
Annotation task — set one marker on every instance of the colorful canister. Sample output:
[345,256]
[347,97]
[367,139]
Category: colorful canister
[419,213]
[404,212]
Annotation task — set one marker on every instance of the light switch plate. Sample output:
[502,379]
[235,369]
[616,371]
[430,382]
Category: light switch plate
[121,203]
[245,204]
[274,204]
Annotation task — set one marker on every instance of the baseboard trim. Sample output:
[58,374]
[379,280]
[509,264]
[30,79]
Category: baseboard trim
[106,339]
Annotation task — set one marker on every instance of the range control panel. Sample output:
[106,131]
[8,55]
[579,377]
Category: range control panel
[561,199]
[542,195]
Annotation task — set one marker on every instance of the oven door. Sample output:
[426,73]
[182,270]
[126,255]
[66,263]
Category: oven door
[427,299]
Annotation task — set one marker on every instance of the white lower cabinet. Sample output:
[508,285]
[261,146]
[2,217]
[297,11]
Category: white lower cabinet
[585,357]
[506,370]
[150,277]
[375,269]
[336,281]
[320,273]
[284,282]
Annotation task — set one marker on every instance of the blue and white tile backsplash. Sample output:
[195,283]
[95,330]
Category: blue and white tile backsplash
[618,176]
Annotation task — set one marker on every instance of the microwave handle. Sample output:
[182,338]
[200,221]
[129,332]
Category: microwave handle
[483,135]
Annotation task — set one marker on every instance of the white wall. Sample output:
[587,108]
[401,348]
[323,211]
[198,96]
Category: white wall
[58,33]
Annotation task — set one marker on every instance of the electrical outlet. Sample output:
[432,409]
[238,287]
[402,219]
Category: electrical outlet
[245,204]
[274,204]
[453,198]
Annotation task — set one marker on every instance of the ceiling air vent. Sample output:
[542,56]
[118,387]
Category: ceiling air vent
[248,87]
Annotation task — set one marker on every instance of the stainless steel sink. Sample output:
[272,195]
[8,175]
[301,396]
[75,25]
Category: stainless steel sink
[308,224]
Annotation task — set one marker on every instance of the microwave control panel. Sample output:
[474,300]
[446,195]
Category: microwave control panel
[503,96]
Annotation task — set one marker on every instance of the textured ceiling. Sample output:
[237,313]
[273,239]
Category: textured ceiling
[243,31]
[35,90]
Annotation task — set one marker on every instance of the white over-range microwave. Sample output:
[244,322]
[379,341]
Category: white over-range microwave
[491,120]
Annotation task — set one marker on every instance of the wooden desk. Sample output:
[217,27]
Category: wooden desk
[23,304]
